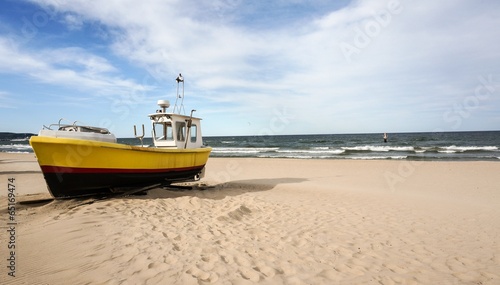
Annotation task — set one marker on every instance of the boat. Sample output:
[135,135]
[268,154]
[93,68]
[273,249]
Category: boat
[78,160]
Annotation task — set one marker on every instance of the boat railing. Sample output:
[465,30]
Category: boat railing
[77,128]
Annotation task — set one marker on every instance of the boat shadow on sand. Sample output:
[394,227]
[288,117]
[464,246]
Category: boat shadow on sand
[222,190]
[200,190]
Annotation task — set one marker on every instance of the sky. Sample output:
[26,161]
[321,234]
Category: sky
[253,67]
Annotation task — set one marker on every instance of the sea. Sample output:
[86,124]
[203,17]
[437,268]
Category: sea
[433,146]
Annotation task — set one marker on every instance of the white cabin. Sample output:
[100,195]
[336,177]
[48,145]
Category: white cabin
[171,130]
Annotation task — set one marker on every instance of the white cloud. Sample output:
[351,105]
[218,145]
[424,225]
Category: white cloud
[73,21]
[71,67]
[79,59]
[408,58]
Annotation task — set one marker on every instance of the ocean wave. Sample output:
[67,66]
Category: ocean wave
[419,146]
[246,150]
[447,151]
[326,151]
[376,148]
[290,156]
[20,140]
[454,148]
[13,148]
[397,157]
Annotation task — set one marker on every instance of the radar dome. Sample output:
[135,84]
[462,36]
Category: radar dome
[163,103]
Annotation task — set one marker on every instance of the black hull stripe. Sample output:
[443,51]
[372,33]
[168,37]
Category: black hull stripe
[74,184]
[59,169]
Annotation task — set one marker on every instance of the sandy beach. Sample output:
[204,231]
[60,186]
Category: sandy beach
[267,221]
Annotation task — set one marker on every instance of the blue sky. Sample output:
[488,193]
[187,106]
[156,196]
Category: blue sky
[253,67]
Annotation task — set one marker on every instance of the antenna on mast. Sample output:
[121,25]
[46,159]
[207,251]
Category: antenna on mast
[180,94]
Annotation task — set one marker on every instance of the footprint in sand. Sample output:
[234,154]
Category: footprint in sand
[250,274]
[265,270]
[202,275]
[242,261]
[287,269]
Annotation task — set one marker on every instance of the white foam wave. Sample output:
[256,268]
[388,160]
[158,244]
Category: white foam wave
[362,152]
[378,157]
[447,151]
[328,151]
[454,148]
[379,148]
[16,146]
[291,156]
[243,149]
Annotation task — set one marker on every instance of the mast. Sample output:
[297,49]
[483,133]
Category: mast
[180,94]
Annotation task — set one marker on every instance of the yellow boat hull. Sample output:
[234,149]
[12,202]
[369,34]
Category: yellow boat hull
[74,167]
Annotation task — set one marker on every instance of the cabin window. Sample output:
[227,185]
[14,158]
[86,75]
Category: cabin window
[163,131]
[181,130]
[193,132]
